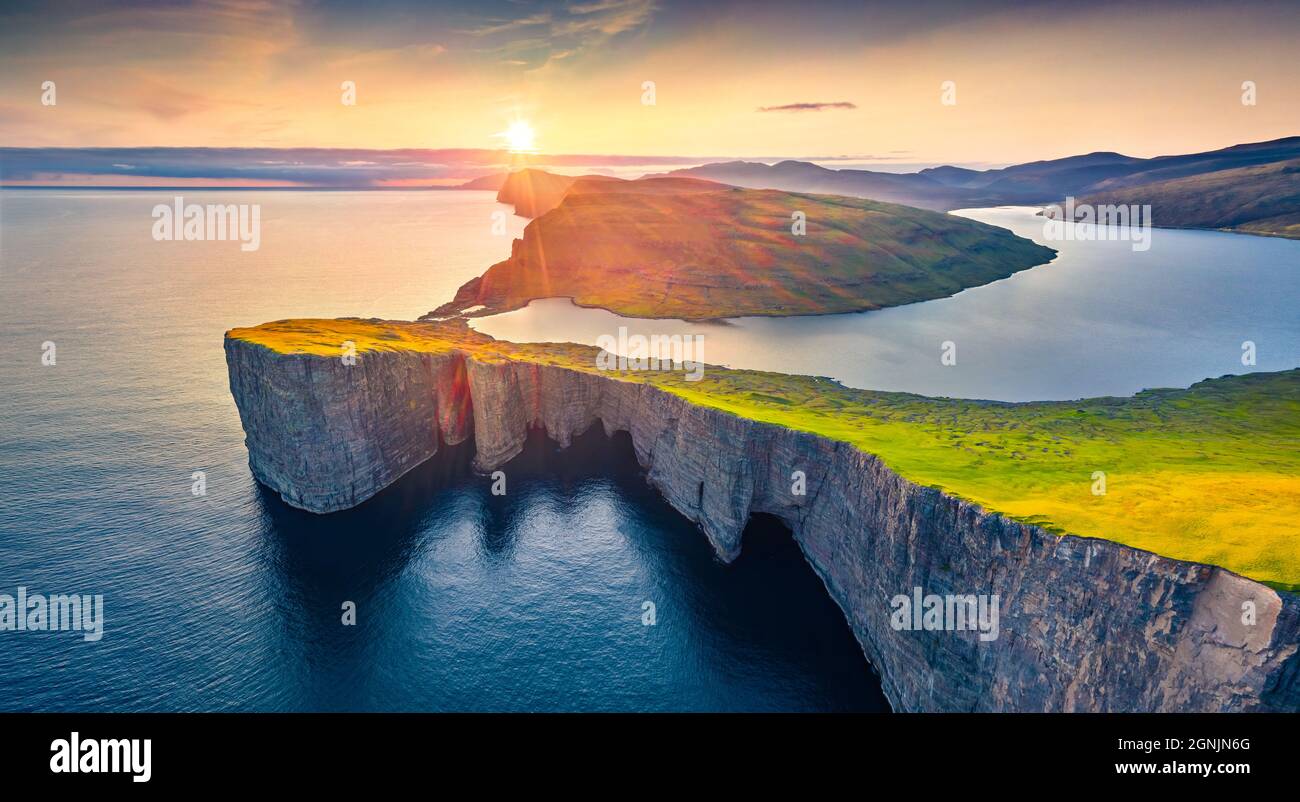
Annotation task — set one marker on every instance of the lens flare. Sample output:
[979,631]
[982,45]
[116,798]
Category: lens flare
[519,137]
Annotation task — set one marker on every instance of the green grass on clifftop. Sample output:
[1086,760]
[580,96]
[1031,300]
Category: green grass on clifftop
[1209,474]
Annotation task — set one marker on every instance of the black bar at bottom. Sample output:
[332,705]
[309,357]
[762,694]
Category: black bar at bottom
[208,751]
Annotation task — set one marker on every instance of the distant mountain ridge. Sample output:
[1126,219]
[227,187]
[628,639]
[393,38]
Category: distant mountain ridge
[1093,175]
[910,189]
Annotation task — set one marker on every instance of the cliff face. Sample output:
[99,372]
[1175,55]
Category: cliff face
[533,192]
[327,436]
[1084,624]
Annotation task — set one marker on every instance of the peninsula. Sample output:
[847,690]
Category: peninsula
[691,249]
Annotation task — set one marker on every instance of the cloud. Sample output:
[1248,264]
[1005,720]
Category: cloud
[606,19]
[493,27]
[842,104]
[548,36]
[595,7]
[601,19]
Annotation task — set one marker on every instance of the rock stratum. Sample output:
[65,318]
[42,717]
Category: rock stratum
[1085,625]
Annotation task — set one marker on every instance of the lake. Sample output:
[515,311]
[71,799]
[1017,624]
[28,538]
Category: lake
[1100,319]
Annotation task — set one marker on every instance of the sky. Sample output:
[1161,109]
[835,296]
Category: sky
[858,83]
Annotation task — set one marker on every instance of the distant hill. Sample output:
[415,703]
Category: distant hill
[1163,168]
[912,189]
[490,182]
[1261,199]
[952,176]
[948,187]
[535,192]
[672,247]
[1049,179]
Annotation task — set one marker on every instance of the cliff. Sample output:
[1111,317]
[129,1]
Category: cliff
[1085,624]
[534,192]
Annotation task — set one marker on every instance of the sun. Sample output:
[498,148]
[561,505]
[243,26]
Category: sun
[519,137]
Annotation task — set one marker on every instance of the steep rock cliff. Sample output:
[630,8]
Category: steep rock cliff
[1085,624]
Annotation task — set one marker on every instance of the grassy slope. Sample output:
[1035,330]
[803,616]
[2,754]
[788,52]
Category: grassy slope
[1209,474]
[1263,199]
[730,252]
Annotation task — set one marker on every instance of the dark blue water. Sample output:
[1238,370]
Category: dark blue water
[232,600]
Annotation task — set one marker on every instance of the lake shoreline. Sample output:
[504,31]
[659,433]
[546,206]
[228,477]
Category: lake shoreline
[1089,323]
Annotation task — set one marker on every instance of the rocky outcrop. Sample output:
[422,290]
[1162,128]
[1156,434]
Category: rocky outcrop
[1084,625]
[327,436]
[533,192]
